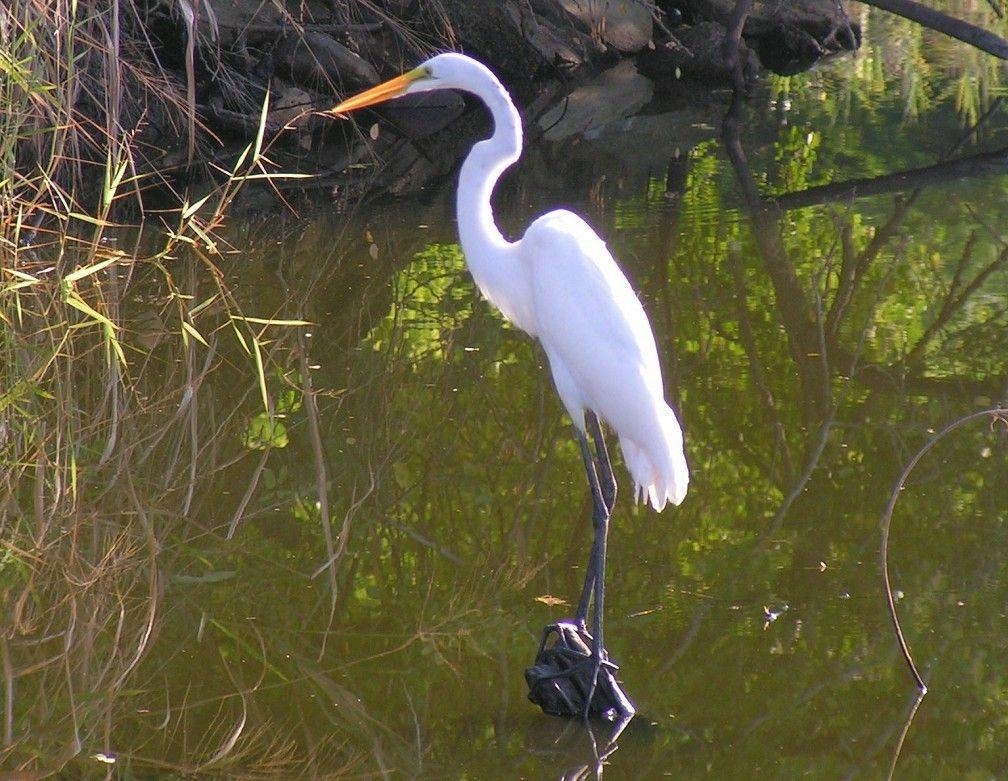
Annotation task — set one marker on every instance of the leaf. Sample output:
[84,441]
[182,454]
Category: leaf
[265,431]
[208,577]
[94,268]
[260,373]
[78,303]
[190,210]
[191,330]
[270,321]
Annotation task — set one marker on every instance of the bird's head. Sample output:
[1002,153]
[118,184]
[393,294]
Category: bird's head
[443,71]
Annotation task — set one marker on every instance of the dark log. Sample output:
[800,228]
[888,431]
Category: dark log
[317,62]
[697,54]
[788,36]
[986,163]
[625,26]
[518,39]
[943,23]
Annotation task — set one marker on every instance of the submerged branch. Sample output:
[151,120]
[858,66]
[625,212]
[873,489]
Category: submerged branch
[995,162]
[995,413]
[943,23]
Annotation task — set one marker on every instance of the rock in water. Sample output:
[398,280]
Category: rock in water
[560,678]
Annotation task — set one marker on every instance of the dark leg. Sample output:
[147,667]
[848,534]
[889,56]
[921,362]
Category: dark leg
[572,674]
[601,483]
[594,586]
[598,503]
[606,478]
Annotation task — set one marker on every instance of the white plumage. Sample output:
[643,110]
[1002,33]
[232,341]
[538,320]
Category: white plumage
[559,283]
[601,351]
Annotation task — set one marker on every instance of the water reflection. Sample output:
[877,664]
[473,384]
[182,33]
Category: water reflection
[353,584]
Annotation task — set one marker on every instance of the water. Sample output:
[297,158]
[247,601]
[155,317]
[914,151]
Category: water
[750,623]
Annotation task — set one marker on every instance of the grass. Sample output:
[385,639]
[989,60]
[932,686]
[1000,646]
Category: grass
[103,435]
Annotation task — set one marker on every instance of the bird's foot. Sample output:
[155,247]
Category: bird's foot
[567,679]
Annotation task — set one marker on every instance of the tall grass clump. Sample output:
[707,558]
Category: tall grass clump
[107,333]
[71,137]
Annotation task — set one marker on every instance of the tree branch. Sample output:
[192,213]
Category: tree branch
[943,23]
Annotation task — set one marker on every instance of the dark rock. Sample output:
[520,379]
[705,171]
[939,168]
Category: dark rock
[625,25]
[696,54]
[788,36]
[523,39]
[420,115]
[617,93]
[317,62]
[223,59]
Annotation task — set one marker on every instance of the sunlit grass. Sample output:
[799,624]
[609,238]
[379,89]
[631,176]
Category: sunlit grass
[107,331]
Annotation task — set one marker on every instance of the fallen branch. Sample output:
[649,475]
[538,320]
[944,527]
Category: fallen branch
[985,163]
[995,413]
[943,23]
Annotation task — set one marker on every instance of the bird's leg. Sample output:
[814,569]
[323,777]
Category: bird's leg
[594,487]
[594,586]
[599,474]
[607,488]
[607,479]
[572,665]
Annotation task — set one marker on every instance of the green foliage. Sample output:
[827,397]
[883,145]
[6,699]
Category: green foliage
[433,299]
[196,582]
[266,429]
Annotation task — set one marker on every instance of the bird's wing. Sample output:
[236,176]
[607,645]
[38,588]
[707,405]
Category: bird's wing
[602,352]
[589,318]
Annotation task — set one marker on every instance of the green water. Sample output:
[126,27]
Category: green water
[809,352]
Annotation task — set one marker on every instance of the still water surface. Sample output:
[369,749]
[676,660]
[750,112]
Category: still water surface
[809,351]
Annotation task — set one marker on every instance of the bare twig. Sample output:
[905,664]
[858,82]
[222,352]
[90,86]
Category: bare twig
[911,712]
[956,298]
[239,512]
[997,413]
[321,473]
[732,40]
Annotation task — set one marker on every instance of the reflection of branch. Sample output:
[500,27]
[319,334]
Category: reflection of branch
[943,23]
[250,491]
[846,278]
[956,297]
[748,341]
[854,269]
[321,473]
[917,700]
[998,413]
[733,36]
[815,452]
[852,274]
[995,162]
[8,677]
[797,317]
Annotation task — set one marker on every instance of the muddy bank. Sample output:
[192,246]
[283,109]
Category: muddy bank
[202,70]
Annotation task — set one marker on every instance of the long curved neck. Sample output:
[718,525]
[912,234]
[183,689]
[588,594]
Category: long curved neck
[495,263]
[480,172]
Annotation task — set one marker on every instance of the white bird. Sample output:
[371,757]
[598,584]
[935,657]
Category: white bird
[560,284]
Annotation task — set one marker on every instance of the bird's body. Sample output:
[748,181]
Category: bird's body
[560,284]
[602,353]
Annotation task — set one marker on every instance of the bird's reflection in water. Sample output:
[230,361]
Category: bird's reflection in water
[578,748]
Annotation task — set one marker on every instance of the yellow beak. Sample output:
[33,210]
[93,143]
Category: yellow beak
[387,90]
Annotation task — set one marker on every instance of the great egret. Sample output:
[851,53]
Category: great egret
[559,283]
